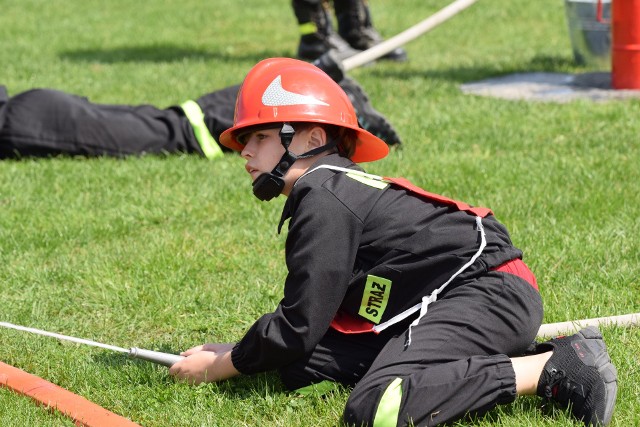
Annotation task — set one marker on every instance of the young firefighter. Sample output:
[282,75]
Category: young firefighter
[420,301]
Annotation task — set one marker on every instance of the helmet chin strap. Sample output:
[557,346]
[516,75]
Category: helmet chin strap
[270,184]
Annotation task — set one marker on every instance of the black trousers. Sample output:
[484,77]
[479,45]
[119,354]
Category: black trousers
[457,363]
[46,122]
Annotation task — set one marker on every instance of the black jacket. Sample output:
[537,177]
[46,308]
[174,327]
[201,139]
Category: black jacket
[342,231]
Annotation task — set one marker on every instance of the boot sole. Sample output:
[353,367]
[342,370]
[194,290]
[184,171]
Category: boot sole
[606,369]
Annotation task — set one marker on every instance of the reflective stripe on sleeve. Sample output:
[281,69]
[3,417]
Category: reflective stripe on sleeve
[307,28]
[194,113]
[389,406]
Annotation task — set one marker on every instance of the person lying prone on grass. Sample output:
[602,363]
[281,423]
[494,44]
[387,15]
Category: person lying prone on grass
[420,302]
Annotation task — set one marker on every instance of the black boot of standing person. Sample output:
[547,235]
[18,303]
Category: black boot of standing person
[317,35]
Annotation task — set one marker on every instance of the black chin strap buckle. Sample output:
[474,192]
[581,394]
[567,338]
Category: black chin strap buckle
[286,135]
[288,159]
[270,185]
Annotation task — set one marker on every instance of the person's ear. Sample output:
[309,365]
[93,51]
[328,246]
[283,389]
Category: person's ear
[317,137]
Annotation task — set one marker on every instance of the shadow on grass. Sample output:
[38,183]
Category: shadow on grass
[115,359]
[550,64]
[111,359]
[160,53]
[533,408]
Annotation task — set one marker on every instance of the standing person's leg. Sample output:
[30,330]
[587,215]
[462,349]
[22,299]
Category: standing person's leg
[458,359]
[317,35]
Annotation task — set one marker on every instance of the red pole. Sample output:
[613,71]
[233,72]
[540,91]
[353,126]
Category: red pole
[625,52]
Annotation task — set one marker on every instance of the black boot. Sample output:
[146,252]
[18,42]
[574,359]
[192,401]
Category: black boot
[580,375]
[317,35]
[356,27]
[368,117]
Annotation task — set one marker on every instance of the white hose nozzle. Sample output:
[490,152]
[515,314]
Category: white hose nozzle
[166,359]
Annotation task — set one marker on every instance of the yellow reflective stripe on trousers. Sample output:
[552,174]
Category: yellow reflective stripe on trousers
[195,115]
[389,406]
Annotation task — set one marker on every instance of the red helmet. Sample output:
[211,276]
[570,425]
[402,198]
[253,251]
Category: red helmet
[279,90]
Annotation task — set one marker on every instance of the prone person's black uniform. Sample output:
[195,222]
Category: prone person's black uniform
[47,122]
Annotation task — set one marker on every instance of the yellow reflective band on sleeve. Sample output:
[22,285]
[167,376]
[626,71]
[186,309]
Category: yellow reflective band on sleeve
[307,28]
[389,406]
[368,181]
[375,298]
[209,146]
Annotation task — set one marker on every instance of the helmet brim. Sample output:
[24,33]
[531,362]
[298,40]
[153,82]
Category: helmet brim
[368,147]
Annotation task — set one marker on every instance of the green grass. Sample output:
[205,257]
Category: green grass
[167,253]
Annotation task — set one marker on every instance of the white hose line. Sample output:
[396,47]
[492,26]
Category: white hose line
[570,327]
[63,337]
[406,36]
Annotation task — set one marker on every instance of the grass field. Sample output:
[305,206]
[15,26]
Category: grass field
[167,253]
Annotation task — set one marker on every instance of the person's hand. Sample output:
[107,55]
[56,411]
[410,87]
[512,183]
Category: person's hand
[205,363]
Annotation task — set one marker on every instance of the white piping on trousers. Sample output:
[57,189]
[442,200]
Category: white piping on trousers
[426,300]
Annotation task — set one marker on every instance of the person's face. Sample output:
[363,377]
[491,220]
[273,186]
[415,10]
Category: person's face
[263,150]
